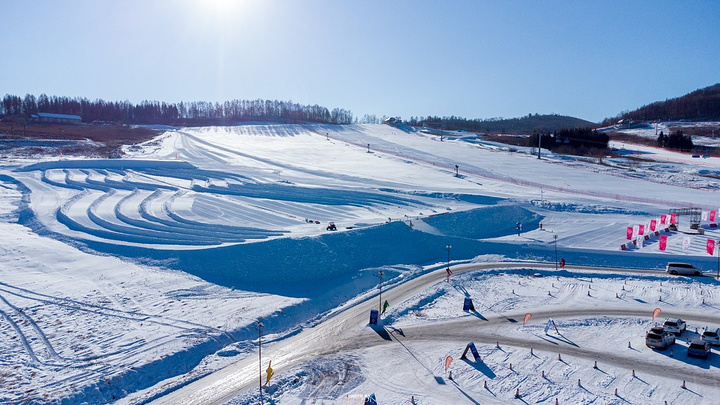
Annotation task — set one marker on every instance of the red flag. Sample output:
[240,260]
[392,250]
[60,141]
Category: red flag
[710,247]
[656,312]
[712,216]
[663,219]
[663,242]
[672,219]
[653,224]
[629,232]
[527,318]
[448,360]
[641,229]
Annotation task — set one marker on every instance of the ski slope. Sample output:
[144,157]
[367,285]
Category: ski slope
[144,273]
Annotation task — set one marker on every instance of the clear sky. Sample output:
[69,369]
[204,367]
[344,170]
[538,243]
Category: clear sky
[473,59]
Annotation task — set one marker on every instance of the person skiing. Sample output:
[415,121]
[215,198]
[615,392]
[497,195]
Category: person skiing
[562,262]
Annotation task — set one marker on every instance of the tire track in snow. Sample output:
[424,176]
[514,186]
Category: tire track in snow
[35,327]
[21,335]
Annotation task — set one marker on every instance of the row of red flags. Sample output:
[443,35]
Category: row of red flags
[640,230]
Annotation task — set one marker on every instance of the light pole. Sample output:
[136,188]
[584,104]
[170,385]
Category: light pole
[539,144]
[380,274]
[259,326]
[448,247]
[556,262]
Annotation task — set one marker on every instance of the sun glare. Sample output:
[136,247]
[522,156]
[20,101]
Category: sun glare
[223,6]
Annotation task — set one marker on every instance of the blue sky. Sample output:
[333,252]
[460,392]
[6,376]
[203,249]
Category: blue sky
[474,59]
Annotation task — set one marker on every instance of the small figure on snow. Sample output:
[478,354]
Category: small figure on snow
[449,273]
[562,262]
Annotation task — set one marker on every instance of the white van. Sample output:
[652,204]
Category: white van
[683,268]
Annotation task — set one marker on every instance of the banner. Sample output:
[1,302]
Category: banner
[672,219]
[656,312]
[704,216]
[468,304]
[527,318]
[547,327]
[373,316]
[629,232]
[448,360]
[686,242]
[471,346]
[710,247]
[270,372]
[641,229]
[639,242]
[653,224]
[663,219]
[663,242]
[712,216]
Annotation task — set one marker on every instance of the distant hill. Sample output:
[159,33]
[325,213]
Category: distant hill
[532,123]
[700,105]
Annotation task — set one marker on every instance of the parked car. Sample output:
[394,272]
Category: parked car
[711,336]
[676,326]
[683,268]
[699,348]
[659,338]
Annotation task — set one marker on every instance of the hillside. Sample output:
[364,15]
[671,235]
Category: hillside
[699,105]
[126,279]
[532,123]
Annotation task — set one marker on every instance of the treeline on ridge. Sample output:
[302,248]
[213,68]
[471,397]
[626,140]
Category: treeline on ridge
[532,123]
[182,113]
[699,105]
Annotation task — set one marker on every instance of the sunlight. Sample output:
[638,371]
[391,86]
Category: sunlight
[223,6]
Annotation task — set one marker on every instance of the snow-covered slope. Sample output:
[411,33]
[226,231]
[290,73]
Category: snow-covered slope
[173,252]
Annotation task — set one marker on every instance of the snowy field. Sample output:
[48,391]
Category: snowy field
[134,279]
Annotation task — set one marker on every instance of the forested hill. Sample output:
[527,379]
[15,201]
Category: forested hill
[532,123]
[700,105]
[182,113]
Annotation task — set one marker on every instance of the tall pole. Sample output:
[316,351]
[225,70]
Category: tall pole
[380,274]
[259,326]
[448,247]
[556,262]
[539,144]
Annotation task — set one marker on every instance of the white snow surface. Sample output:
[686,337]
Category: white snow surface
[125,279]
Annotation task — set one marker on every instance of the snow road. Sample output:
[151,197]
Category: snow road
[349,330]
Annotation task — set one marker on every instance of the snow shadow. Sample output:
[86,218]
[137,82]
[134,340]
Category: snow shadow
[381,331]
[481,367]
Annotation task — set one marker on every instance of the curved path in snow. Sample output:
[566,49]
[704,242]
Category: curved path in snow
[348,330]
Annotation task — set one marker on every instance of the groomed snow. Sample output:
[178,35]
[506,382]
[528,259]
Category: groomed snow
[125,279]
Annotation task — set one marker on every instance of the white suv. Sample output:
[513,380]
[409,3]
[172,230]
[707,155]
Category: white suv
[711,336]
[676,326]
[659,338]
